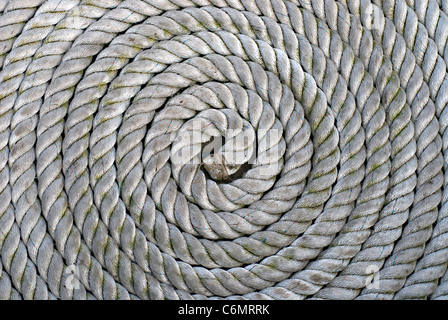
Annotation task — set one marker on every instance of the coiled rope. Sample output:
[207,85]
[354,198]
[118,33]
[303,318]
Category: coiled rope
[94,93]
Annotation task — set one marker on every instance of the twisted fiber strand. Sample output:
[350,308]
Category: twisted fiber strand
[307,288]
[17,258]
[139,281]
[314,275]
[350,193]
[125,183]
[428,194]
[80,258]
[432,173]
[432,266]
[314,221]
[352,281]
[35,240]
[347,270]
[332,260]
[440,290]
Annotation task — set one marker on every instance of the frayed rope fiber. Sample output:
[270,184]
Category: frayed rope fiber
[335,111]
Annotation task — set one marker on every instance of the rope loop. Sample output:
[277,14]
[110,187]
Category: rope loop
[177,149]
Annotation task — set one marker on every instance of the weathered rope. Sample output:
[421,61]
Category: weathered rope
[347,200]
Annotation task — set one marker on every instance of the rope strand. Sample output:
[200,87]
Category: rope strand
[331,123]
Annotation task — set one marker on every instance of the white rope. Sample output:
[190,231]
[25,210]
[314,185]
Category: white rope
[330,183]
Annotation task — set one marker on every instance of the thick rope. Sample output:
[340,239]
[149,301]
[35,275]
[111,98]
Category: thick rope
[338,191]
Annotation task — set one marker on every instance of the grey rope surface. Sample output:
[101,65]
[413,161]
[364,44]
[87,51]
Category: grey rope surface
[348,201]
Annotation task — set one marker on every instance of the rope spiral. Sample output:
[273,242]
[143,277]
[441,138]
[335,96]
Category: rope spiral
[346,126]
